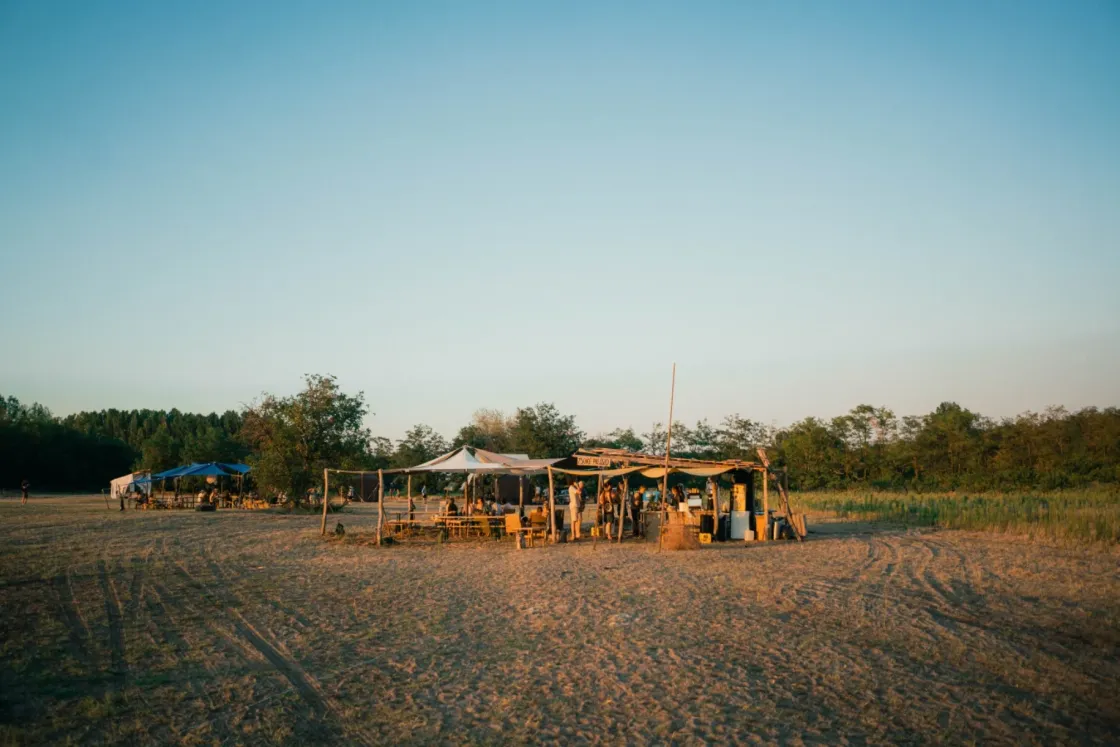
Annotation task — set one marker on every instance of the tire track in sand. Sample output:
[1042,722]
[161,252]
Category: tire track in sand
[118,665]
[326,722]
[77,631]
[135,588]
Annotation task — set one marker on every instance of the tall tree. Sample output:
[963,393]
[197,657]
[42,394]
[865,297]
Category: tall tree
[295,438]
[488,429]
[542,431]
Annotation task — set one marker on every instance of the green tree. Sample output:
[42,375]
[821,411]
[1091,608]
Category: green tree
[542,431]
[738,437]
[420,443]
[212,444]
[619,438]
[488,429]
[295,438]
[160,452]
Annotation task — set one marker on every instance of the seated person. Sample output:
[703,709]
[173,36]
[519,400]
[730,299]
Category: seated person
[538,518]
[452,509]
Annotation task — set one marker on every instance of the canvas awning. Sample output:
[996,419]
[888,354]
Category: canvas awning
[472,460]
[140,480]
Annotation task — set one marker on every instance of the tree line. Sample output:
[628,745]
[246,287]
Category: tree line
[289,440]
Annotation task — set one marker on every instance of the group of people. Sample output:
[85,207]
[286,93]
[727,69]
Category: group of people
[613,509]
[480,507]
[213,495]
[614,505]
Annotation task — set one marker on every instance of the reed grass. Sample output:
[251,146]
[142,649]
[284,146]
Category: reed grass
[1083,514]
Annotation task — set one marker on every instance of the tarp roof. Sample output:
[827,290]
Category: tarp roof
[202,469]
[616,462]
[468,459]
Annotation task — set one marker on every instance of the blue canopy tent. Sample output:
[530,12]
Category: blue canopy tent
[205,469]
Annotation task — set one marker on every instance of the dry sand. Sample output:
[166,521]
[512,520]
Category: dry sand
[150,627]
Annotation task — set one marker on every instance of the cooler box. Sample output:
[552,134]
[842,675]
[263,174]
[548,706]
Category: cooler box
[740,524]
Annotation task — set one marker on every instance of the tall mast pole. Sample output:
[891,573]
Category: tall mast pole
[665,477]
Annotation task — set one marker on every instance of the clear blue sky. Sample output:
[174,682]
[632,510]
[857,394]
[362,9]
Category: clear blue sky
[806,205]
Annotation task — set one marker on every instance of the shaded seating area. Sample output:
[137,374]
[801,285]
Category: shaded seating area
[221,485]
[477,517]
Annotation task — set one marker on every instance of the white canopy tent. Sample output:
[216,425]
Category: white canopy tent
[136,482]
[469,459]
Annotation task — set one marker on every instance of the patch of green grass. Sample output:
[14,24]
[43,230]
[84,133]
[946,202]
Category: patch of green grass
[1086,514]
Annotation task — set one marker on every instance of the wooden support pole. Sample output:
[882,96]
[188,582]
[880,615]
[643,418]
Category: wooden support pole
[410,512]
[323,526]
[624,503]
[715,507]
[765,504]
[521,495]
[599,504]
[551,504]
[380,504]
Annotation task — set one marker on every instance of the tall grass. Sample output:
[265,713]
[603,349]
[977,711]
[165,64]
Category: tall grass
[1084,514]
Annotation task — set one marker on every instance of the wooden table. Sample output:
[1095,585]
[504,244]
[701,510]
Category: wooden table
[463,526]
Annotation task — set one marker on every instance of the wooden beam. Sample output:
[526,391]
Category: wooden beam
[551,505]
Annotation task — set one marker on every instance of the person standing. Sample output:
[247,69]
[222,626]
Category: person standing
[606,510]
[24,486]
[575,503]
[636,511]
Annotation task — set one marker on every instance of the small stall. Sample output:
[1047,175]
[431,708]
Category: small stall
[696,516]
[135,486]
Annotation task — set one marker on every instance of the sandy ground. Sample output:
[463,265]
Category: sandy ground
[149,627]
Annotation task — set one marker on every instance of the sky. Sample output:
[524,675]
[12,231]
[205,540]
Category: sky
[452,206]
